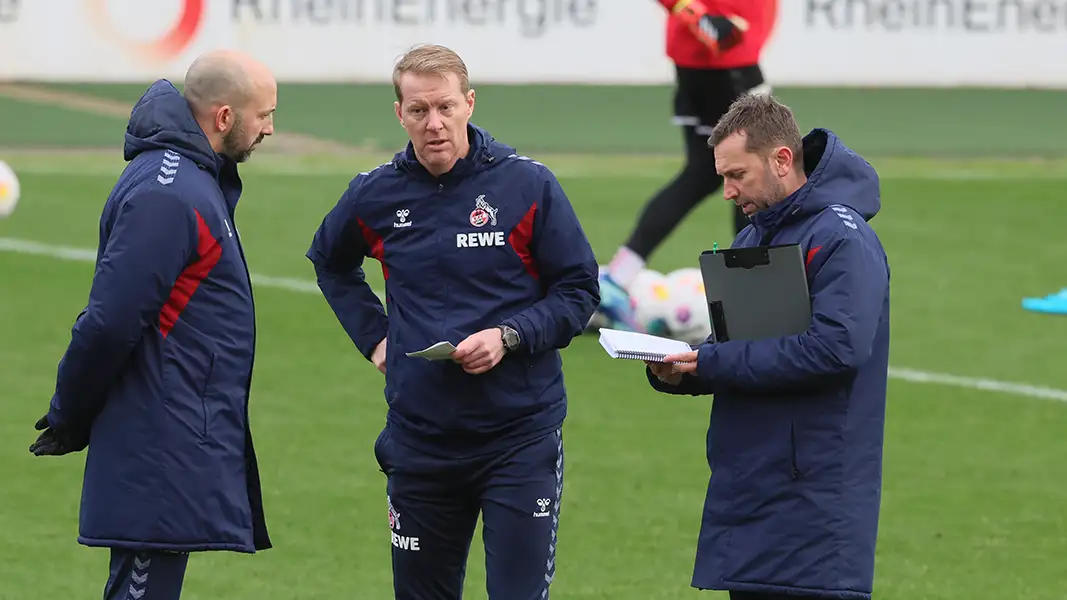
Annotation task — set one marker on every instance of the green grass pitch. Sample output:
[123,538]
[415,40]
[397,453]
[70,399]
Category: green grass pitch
[975,483]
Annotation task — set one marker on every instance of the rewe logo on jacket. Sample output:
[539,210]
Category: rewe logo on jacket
[482,215]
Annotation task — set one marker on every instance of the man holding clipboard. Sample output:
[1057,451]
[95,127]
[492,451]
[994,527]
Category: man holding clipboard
[795,442]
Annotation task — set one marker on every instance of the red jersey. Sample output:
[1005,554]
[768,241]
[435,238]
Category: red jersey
[685,50]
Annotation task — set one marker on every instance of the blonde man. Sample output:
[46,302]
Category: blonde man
[480,248]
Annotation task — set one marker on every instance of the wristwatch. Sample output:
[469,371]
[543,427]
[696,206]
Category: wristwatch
[509,336]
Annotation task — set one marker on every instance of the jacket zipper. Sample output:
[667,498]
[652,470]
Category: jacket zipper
[442,269]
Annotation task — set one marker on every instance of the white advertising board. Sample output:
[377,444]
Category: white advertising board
[107,40]
[1007,43]
[815,42]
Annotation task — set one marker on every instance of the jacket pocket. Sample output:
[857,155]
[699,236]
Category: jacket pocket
[204,395]
[187,384]
[796,474]
[380,452]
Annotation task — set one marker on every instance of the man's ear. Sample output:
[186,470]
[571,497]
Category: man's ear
[224,118]
[470,103]
[396,108]
[783,160]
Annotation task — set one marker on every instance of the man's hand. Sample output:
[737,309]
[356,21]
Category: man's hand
[480,352]
[378,356]
[718,32]
[684,363]
[674,367]
[56,442]
[664,372]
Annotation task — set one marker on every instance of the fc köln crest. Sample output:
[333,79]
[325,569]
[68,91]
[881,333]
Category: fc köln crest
[482,213]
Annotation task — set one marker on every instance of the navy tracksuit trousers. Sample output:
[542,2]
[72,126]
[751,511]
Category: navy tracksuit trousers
[145,575]
[434,505]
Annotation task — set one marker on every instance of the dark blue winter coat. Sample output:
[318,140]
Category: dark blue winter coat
[160,361]
[493,241]
[795,442]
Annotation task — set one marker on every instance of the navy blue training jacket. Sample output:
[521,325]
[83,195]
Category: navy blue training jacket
[495,240]
[795,442]
[160,361]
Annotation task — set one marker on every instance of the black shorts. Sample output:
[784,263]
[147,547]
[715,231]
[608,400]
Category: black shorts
[703,96]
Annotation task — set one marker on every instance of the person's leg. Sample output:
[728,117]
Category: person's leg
[145,575]
[668,208]
[432,516]
[675,200]
[520,519]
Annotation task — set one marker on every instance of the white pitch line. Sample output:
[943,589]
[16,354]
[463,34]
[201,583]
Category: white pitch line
[989,385]
[18,246]
[309,287]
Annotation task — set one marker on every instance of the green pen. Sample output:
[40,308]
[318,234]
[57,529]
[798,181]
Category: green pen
[714,247]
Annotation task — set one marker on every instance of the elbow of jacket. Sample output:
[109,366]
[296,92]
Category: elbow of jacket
[845,359]
[591,302]
[98,333]
[325,277]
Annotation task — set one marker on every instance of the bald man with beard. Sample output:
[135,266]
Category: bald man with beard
[156,378]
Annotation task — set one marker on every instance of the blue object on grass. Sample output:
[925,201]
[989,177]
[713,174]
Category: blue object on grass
[617,308]
[1053,304]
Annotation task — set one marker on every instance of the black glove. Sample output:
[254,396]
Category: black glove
[718,32]
[57,441]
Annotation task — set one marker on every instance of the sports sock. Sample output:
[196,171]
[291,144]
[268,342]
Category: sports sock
[625,267]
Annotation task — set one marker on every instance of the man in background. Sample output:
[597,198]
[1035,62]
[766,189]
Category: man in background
[480,248]
[795,441]
[715,46]
[156,378]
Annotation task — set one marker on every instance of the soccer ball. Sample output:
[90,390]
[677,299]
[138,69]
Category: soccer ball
[651,298]
[687,315]
[9,190]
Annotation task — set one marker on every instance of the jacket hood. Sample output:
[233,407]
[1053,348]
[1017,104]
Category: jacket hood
[485,152]
[162,120]
[836,175]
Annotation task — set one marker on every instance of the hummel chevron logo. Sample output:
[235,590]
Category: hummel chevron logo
[141,566]
[143,577]
[136,593]
[169,168]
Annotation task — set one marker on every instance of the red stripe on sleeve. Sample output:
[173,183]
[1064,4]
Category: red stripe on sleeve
[377,247]
[520,240]
[209,252]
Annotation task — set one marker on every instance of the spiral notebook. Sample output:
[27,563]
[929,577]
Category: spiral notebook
[639,346]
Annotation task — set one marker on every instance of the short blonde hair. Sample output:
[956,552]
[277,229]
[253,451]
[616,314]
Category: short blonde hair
[430,59]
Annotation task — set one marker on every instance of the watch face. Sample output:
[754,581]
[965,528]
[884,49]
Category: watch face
[511,339]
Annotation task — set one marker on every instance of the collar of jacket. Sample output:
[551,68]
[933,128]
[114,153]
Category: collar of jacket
[478,156]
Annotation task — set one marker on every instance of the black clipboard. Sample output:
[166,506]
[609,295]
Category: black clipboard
[756,293]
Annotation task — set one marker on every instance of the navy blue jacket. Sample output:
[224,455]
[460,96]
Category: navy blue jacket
[160,361]
[493,241]
[795,442]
